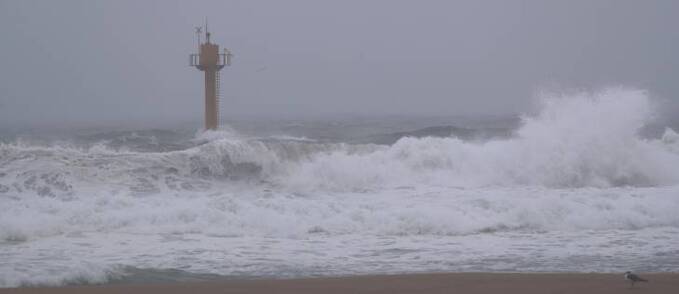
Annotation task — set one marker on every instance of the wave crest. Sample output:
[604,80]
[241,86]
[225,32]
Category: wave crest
[582,140]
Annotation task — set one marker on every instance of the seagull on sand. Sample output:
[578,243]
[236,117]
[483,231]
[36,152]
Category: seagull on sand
[632,278]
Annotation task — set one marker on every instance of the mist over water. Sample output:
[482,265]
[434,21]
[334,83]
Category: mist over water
[112,206]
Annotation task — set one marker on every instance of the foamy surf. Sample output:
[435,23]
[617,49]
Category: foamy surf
[575,182]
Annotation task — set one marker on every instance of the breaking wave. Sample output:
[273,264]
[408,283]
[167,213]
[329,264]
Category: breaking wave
[81,274]
[583,141]
[579,141]
[578,164]
[586,140]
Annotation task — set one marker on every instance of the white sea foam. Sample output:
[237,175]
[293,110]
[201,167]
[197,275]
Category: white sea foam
[586,140]
[58,274]
[576,167]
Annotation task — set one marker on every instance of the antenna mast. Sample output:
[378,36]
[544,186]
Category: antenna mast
[207,31]
[199,30]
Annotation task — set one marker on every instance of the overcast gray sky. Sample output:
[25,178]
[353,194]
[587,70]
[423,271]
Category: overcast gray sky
[116,61]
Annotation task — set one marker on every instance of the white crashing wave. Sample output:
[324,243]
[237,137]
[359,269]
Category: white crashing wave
[577,165]
[436,211]
[586,140]
[80,273]
[257,232]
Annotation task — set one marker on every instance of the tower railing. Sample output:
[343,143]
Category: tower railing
[223,59]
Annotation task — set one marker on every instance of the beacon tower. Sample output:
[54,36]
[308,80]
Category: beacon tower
[209,60]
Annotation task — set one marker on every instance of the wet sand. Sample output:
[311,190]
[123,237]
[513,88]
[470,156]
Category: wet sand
[525,283]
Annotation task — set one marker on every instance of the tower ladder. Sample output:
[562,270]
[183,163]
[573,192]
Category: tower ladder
[217,94]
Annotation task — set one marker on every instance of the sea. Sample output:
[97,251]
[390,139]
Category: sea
[586,182]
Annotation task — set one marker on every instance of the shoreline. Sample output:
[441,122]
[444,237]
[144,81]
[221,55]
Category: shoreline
[527,283]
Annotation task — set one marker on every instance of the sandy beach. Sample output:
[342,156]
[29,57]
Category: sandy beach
[415,283]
